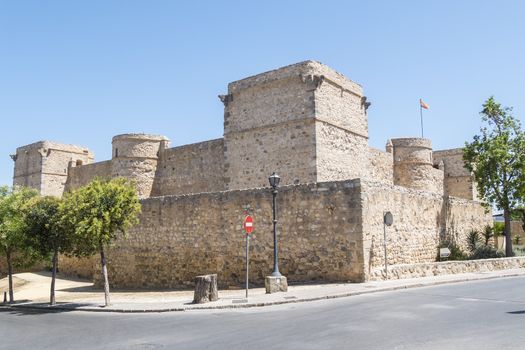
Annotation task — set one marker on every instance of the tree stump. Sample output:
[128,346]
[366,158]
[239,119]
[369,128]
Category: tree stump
[205,289]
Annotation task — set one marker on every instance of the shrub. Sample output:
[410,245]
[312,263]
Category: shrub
[473,240]
[486,252]
[488,233]
[499,228]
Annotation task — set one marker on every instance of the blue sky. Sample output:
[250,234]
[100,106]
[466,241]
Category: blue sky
[81,72]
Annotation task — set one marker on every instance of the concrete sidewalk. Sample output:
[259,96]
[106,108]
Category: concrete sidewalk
[80,295]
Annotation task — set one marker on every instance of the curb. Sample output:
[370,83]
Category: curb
[59,308]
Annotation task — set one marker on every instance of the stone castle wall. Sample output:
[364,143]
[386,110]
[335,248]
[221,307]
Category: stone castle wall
[136,156]
[180,237]
[81,175]
[458,180]
[44,165]
[421,222]
[413,165]
[268,126]
[309,124]
[192,168]
[381,166]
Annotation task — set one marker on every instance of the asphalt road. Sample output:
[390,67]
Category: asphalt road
[476,315]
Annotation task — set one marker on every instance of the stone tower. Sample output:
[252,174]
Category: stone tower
[135,156]
[44,165]
[413,165]
[305,121]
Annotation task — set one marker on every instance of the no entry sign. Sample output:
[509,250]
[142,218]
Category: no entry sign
[248,224]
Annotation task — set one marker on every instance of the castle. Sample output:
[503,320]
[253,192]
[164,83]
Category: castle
[309,124]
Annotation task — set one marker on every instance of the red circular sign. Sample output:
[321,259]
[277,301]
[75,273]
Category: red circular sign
[248,224]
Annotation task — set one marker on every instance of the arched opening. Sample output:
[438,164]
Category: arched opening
[79,162]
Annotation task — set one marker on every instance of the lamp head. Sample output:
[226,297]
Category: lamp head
[274,180]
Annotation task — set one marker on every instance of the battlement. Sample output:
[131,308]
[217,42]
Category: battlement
[44,165]
[305,121]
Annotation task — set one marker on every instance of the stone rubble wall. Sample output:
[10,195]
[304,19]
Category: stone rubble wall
[381,166]
[269,127]
[44,165]
[340,154]
[463,216]
[79,267]
[447,268]
[458,180]
[81,175]
[180,237]
[191,168]
[421,220]
[340,107]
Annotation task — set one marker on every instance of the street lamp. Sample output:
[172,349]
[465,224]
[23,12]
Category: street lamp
[274,180]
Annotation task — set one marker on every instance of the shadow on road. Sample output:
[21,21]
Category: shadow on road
[41,308]
[516,312]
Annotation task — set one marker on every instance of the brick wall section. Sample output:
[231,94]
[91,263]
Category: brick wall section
[190,169]
[180,237]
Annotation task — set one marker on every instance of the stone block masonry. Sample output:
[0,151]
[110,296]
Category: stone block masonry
[180,237]
[309,124]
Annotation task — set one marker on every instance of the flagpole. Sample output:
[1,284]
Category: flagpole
[421,115]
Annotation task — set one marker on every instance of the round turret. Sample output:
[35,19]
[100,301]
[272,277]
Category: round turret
[135,156]
[413,163]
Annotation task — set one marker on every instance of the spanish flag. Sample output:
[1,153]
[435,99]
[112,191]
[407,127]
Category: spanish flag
[423,104]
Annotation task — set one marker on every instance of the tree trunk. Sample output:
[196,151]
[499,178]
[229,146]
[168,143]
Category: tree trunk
[105,275]
[508,238]
[53,277]
[10,273]
[205,289]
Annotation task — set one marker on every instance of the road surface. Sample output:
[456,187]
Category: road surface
[486,314]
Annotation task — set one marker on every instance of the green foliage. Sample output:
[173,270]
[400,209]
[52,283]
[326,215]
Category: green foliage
[497,160]
[455,251]
[13,209]
[485,252]
[517,239]
[98,211]
[496,157]
[499,228]
[45,233]
[519,213]
[488,233]
[473,239]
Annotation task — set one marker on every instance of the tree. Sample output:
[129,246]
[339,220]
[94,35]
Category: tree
[497,160]
[12,227]
[46,234]
[96,213]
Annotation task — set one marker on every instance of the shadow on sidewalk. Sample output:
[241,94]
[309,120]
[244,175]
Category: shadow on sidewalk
[41,308]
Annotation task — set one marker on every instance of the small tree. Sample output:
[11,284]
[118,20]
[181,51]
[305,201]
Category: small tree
[473,239]
[497,160]
[96,213]
[47,235]
[12,227]
[488,233]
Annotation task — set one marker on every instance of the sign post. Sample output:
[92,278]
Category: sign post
[248,227]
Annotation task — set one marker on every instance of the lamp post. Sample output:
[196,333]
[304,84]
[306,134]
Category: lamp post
[274,182]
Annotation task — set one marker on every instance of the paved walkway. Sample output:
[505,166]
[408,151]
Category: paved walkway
[73,294]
